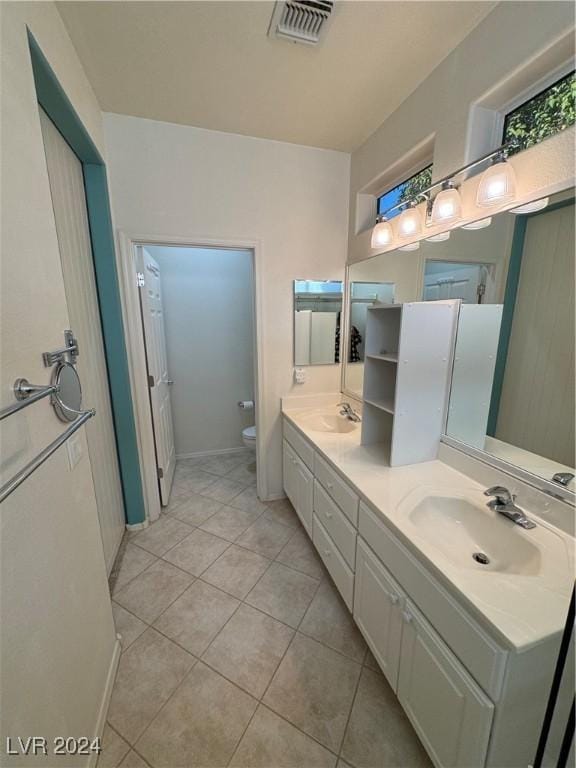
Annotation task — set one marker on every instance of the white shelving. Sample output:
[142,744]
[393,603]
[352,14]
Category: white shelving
[408,355]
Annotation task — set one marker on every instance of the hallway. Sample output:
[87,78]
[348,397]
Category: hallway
[237,649]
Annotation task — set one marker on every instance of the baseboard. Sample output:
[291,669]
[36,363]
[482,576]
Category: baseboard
[105,703]
[274,497]
[201,454]
[137,526]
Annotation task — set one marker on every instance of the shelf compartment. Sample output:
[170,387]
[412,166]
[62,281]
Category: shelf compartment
[382,404]
[390,358]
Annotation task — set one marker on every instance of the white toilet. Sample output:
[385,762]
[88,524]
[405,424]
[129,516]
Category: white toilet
[249,437]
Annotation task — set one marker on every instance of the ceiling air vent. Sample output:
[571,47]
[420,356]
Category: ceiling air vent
[301,21]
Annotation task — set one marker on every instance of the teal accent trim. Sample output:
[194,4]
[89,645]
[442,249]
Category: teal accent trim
[510,294]
[57,105]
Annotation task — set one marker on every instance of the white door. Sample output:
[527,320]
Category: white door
[158,379]
[449,712]
[71,218]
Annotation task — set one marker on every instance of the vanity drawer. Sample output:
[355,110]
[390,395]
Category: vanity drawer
[334,562]
[337,488]
[336,524]
[479,653]
[300,445]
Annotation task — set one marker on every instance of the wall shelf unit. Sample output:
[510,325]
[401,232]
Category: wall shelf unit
[408,358]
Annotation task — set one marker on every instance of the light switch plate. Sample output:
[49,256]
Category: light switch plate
[74,448]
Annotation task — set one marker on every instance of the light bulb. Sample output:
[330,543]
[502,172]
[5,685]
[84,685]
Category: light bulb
[409,222]
[410,247]
[480,224]
[447,204]
[382,234]
[537,205]
[439,238]
[497,183]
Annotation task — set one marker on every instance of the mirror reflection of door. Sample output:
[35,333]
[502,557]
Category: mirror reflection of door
[464,280]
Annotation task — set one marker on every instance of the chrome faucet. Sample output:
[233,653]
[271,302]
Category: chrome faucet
[504,503]
[349,412]
[563,478]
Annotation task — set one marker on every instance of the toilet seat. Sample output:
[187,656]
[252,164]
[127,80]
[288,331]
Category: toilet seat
[249,433]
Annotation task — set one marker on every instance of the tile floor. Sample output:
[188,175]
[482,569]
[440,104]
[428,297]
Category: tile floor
[236,648]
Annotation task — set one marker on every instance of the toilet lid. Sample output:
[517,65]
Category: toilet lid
[249,433]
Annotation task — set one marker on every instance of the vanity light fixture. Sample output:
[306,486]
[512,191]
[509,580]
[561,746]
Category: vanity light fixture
[480,224]
[537,205]
[497,183]
[410,221]
[438,238]
[447,204]
[410,247]
[382,234]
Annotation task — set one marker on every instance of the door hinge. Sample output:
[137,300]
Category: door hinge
[140,283]
[160,473]
[150,381]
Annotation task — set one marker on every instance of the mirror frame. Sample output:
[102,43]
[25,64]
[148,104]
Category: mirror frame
[546,486]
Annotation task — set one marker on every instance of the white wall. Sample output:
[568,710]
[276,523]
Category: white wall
[56,631]
[514,46]
[175,181]
[208,301]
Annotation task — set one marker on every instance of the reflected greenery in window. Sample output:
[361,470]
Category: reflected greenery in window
[550,112]
[406,190]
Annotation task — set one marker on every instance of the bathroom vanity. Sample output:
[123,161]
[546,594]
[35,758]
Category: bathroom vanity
[467,645]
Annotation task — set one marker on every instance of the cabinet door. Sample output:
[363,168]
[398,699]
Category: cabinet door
[304,480]
[448,710]
[289,471]
[377,610]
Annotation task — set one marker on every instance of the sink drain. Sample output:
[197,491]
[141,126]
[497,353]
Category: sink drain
[481,558]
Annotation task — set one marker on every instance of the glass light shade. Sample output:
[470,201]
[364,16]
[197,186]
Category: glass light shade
[447,206]
[409,222]
[537,205]
[439,238]
[410,247]
[497,184]
[480,224]
[382,234]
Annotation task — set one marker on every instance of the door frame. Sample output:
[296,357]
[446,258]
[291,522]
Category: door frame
[55,102]
[129,297]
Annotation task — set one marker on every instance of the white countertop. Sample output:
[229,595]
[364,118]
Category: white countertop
[519,610]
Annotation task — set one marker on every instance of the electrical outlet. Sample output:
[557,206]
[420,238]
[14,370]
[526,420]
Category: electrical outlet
[300,375]
[74,448]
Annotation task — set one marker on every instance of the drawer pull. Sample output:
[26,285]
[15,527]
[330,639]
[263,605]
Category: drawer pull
[330,486]
[407,617]
[327,553]
[393,598]
[328,515]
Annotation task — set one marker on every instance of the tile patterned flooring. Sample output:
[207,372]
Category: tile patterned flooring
[236,647]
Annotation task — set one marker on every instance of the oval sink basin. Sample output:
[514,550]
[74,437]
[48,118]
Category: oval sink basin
[460,530]
[329,422]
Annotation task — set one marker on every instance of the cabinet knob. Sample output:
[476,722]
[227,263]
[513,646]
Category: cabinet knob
[393,598]
[327,553]
[330,486]
[328,515]
[407,616]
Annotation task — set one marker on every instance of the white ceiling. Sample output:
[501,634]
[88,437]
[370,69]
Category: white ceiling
[211,64]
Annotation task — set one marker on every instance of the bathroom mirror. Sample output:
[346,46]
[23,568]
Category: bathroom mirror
[317,316]
[512,392]
[68,401]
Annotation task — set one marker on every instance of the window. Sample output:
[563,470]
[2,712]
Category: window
[406,190]
[549,112]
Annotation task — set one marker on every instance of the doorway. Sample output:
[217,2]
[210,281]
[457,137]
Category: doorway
[194,320]
[471,282]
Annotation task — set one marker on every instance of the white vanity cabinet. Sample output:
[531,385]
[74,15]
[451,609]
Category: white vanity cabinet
[378,611]
[299,485]
[449,711]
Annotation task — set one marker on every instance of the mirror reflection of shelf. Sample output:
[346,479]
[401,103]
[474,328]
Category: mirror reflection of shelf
[406,402]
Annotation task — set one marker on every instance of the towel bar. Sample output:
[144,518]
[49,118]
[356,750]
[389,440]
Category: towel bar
[26,394]
[33,465]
